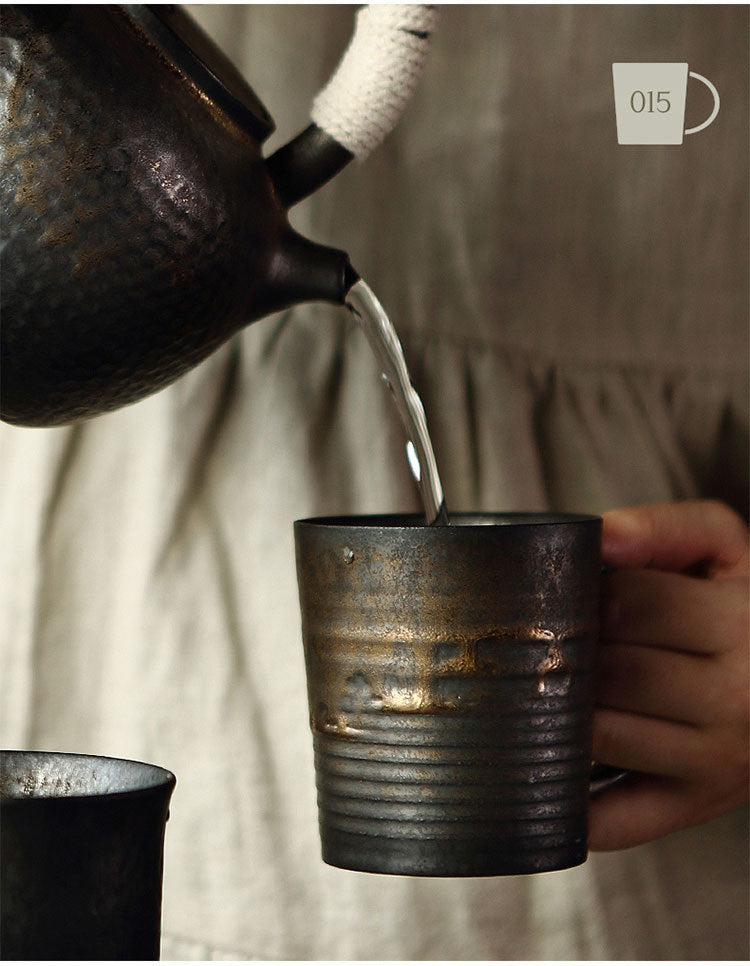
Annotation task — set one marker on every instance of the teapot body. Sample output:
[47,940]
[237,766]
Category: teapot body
[140,225]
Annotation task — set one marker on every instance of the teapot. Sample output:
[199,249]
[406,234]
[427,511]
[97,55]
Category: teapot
[141,225]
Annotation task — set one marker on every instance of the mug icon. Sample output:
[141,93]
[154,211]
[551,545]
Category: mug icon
[650,102]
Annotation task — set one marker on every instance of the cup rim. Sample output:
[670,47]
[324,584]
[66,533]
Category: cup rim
[461,520]
[154,777]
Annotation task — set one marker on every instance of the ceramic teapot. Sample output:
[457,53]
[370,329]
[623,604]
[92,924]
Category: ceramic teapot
[141,224]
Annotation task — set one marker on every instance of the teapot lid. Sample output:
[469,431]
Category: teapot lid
[197,56]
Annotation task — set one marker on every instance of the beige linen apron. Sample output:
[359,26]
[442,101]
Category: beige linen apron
[575,315]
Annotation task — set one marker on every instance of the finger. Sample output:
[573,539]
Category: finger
[641,743]
[655,608]
[659,683]
[675,536]
[638,810]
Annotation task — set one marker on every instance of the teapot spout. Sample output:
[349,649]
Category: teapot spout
[303,271]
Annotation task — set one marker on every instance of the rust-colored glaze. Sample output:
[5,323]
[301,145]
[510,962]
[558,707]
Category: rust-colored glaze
[450,680]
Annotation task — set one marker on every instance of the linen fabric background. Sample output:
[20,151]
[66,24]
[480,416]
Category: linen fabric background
[574,313]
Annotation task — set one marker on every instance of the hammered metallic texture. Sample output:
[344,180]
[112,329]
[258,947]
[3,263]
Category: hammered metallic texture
[139,225]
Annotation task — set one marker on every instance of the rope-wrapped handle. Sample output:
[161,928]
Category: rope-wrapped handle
[362,101]
[377,75]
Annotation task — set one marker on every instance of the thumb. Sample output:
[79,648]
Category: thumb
[676,536]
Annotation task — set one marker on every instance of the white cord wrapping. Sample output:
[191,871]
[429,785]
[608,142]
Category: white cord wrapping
[381,67]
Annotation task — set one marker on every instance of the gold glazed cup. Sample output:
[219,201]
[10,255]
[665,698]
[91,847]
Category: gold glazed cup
[450,676]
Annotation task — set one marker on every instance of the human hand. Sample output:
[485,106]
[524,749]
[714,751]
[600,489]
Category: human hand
[672,696]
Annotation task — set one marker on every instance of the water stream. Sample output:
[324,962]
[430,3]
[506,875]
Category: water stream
[384,342]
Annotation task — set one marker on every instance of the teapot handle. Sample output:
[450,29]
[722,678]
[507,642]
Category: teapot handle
[605,776]
[362,101]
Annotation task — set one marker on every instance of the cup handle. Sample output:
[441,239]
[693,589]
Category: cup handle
[604,777]
[717,103]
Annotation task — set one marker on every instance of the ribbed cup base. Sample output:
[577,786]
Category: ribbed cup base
[480,809]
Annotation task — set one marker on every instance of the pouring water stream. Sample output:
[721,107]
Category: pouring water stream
[384,341]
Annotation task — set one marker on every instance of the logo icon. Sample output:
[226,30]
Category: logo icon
[650,102]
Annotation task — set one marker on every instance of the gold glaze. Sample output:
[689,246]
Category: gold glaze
[429,677]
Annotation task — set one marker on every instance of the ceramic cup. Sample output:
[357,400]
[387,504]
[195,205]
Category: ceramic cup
[450,676]
[81,856]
